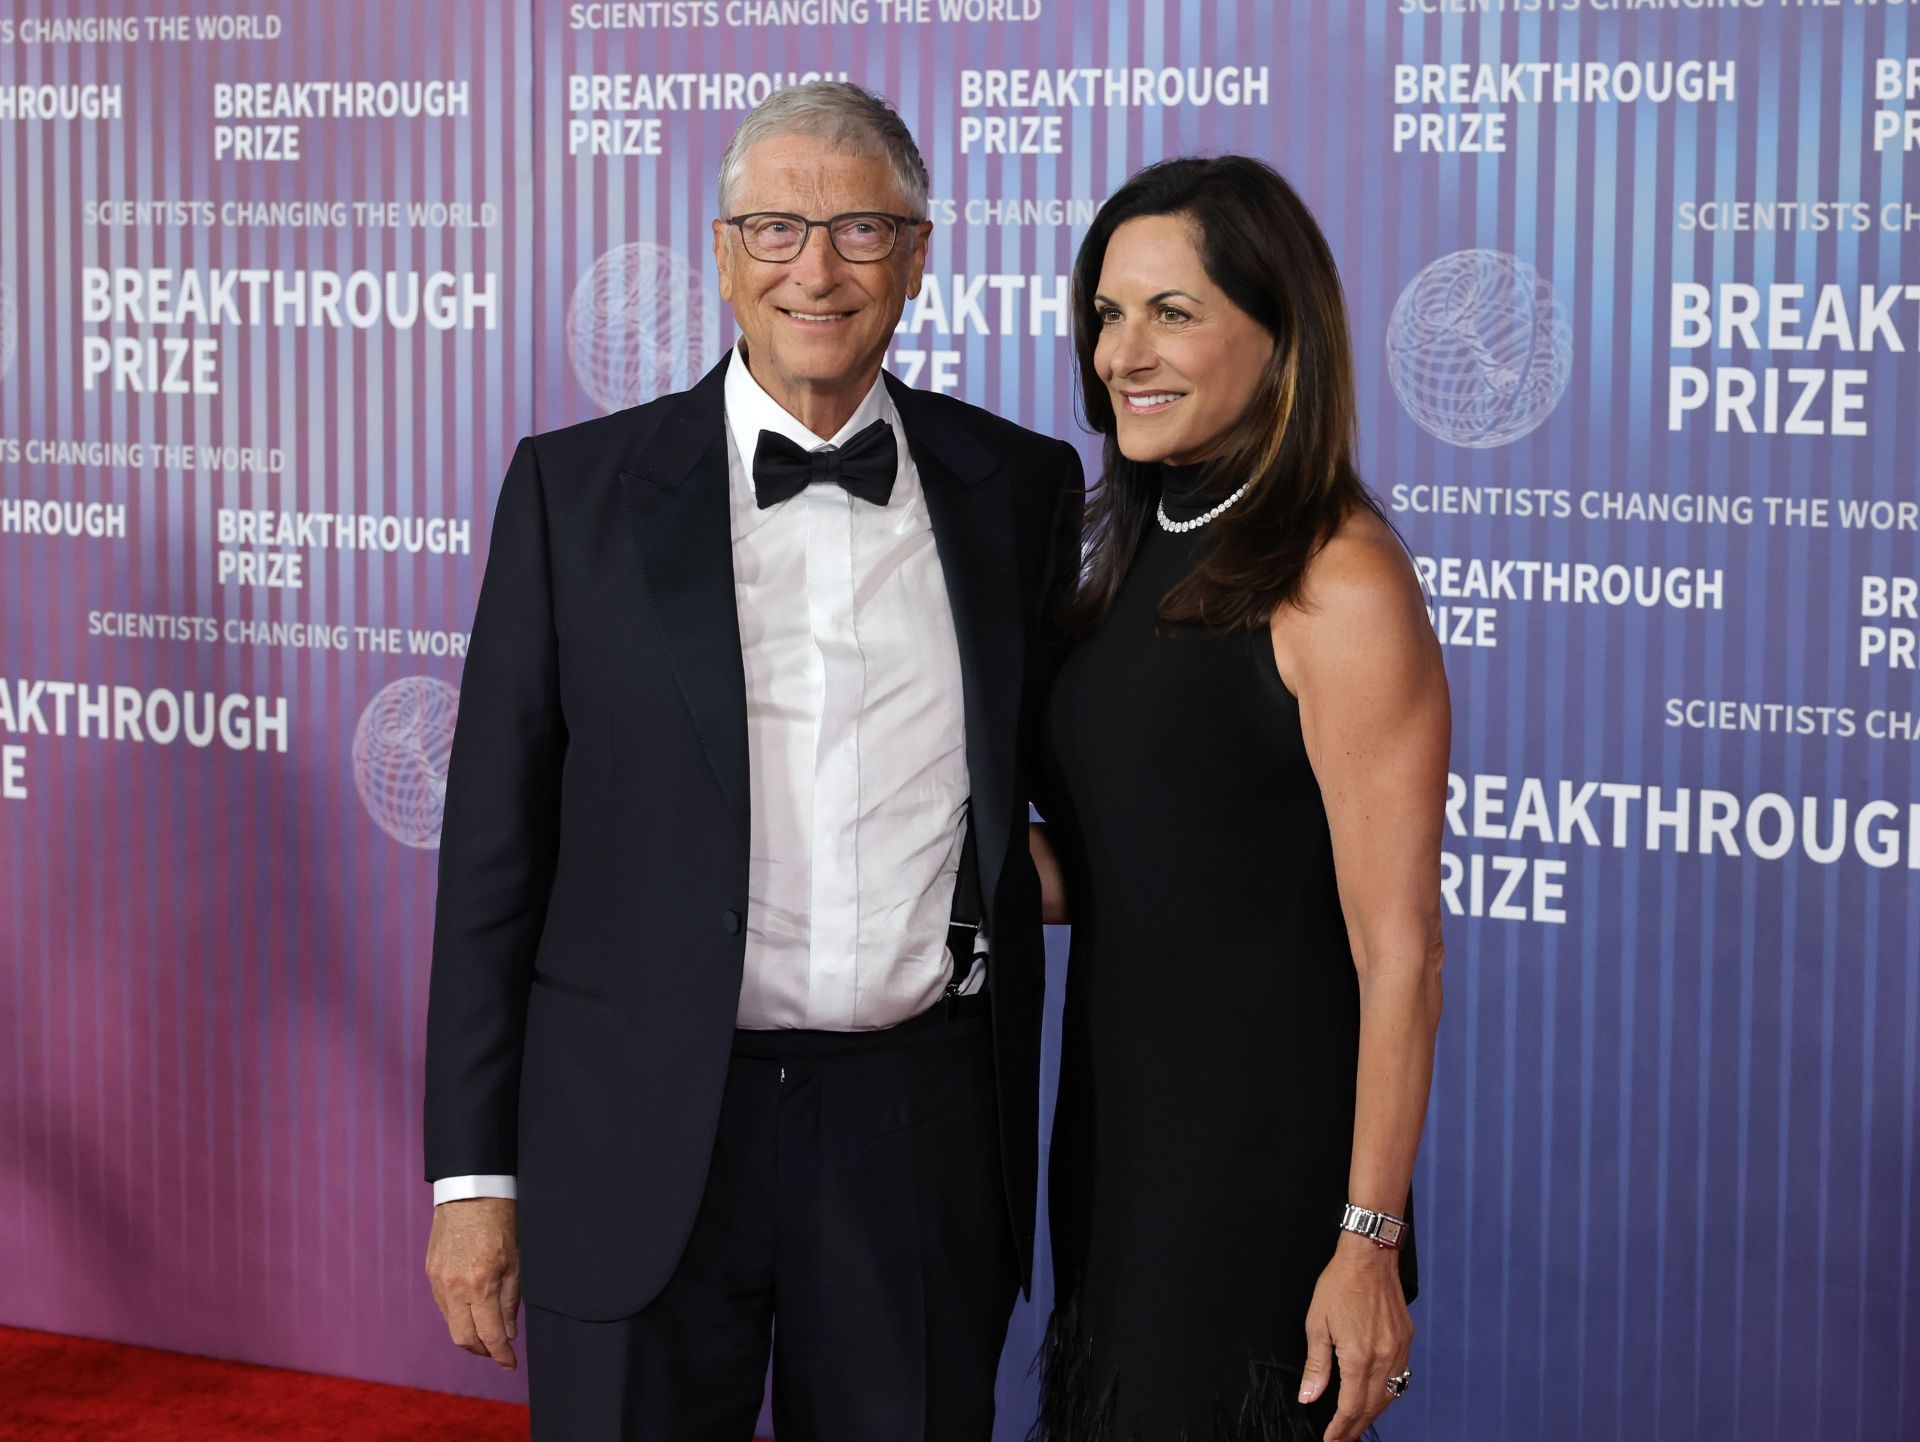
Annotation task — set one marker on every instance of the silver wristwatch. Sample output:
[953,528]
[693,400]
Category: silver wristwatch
[1380,1228]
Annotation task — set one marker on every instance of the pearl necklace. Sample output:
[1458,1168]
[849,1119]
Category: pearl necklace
[1198,521]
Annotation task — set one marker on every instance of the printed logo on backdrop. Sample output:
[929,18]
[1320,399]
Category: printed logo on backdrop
[9,329]
[400,752]
[634,325]
[1479,348]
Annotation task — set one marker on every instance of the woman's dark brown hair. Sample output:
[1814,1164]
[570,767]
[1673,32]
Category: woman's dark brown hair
[1260,245]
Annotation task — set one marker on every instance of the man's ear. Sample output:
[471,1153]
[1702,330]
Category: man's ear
[723,259]
[917,258]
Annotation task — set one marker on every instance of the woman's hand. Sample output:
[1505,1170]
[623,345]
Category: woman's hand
[1358,1321]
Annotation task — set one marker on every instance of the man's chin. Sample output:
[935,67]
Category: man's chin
[823,366]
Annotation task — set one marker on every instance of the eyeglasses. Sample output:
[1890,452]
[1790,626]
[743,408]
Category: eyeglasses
[861,236]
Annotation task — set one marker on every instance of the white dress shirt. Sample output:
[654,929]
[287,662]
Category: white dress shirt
[856,743]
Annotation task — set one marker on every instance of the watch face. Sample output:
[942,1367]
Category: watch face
[1390,1232]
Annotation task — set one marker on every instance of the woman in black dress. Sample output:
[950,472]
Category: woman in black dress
[1248,766]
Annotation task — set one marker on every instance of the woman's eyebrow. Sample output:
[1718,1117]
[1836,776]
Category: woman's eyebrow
[1100,298]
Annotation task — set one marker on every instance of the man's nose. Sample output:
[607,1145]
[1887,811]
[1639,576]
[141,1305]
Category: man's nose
[817,265]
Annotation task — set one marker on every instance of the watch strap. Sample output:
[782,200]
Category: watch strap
[1383,1229]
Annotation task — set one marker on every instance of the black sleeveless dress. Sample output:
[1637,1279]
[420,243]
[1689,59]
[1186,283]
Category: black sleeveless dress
[1205,1118]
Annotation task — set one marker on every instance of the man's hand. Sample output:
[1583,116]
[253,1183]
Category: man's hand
[1358,1321]
[473,1262]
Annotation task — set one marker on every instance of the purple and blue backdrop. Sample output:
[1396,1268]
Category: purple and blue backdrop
[1636,310]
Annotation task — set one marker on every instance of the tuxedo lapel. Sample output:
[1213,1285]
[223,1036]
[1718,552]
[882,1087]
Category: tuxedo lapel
[972,516]
[676,495]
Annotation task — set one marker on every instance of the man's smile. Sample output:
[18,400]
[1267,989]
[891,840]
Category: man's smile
[817,317]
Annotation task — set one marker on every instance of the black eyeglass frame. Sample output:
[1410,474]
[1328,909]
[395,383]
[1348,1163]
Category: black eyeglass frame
[807,228]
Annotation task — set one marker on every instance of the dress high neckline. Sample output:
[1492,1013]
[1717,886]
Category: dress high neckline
[1190,490]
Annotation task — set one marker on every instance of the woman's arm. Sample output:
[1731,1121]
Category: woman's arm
[1364,663]
[1053,886]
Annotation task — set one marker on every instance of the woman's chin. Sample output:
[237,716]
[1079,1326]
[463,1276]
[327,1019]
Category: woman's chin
[1141,450]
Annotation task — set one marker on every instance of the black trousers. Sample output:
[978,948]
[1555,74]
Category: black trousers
[854,1225]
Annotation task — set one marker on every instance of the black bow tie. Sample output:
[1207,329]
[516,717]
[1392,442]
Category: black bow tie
[865,466]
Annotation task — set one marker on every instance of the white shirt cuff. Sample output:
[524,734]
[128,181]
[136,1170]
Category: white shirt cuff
[460,1189]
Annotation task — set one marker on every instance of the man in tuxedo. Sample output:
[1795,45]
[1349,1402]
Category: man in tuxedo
[737,966]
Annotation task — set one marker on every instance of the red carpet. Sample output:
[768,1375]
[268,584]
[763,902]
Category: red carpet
[65,1389]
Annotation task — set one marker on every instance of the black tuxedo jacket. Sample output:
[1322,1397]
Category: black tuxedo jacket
[590,925]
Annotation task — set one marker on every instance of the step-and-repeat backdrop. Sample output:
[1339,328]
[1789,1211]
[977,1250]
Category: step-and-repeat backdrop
[1635,287]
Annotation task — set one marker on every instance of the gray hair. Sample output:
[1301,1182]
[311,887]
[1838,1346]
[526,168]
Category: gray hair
[846,117]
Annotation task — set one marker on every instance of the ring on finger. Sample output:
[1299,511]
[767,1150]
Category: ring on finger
[1397,1384]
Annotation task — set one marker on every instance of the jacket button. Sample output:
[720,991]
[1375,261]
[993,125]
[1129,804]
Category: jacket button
[730,922]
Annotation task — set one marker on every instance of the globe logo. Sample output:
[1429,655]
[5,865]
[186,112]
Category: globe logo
[400,751]
[634,325]
[1479,348]
[9,329]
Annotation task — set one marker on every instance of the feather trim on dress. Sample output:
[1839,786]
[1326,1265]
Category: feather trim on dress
[1073,1408]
